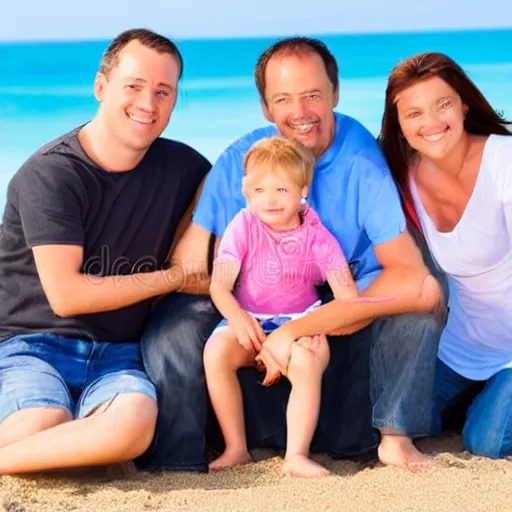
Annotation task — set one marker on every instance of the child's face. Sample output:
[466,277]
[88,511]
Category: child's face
[274,196]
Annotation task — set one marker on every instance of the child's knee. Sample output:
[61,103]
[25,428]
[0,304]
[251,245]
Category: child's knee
[303,362]
[217,348]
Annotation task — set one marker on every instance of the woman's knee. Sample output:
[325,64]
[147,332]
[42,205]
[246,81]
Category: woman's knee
[488,438]
[481,443]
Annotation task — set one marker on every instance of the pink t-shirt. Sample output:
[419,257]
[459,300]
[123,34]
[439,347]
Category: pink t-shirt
[279,269]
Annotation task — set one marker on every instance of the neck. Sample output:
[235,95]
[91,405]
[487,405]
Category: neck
[105,150]
[289,226]
[318,154]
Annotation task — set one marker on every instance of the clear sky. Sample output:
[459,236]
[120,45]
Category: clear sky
[103,19]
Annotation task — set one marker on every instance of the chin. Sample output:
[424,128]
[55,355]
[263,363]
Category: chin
[141,145]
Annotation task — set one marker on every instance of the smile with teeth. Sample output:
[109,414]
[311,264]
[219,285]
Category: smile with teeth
[303,127]
[141,119]
[434,137]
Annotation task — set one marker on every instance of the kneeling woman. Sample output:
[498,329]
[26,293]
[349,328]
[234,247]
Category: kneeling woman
[451,156]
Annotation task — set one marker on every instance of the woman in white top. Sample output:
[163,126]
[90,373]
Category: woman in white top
[451,156]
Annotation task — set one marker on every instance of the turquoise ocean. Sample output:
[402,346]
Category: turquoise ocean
[46,88]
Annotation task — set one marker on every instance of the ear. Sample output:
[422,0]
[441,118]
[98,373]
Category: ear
[304,192]
[266,112]
[99,86]
[465,109]
[244,184]
[336,97]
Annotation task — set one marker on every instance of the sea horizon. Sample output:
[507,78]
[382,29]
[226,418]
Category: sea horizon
[46,88]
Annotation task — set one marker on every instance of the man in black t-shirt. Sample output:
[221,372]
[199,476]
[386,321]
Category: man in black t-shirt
[84,246]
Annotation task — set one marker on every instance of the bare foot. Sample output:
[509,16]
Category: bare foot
[396,450]
[301,466]
[229,459]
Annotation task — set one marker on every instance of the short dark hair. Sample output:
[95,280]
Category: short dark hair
[296,46]
[147,38]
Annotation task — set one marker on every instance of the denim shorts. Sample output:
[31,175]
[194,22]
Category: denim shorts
[47,370]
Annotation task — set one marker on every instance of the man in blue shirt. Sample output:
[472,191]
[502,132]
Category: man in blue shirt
[356,199]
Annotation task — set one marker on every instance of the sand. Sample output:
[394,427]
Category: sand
[456,482]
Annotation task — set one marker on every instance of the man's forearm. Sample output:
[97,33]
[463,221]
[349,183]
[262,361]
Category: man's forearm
[410,290]
[86,294]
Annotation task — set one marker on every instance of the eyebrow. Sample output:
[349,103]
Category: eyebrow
[302,93]
[142,81]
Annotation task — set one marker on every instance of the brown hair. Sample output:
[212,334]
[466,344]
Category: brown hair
[147,38]
[296,46]
[280,152]
[480,119]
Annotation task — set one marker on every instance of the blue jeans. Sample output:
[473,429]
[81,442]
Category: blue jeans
[46,370]
[402,350]
[484,407]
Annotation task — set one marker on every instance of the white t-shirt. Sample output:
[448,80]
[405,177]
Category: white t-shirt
[477,257]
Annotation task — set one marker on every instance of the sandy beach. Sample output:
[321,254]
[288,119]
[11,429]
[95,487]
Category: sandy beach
[456,482]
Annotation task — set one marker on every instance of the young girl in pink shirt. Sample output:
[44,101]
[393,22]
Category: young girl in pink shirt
[271,258]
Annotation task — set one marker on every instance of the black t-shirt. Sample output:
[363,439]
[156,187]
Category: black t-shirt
[125,222]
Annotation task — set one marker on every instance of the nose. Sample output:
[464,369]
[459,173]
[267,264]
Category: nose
[299,109]
[431,118]
[146,100]
[271,199]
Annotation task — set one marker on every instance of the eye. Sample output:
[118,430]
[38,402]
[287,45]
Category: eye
[258,190]
[445,104]
[280,101]
[314,96]
[282,190]
[162,94]
[131,87]
[412,114]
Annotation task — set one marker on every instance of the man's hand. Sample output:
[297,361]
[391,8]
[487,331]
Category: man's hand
[248,331]
[275,355]
[429,293]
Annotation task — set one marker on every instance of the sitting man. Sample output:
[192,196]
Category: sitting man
[395,341]
[86,233]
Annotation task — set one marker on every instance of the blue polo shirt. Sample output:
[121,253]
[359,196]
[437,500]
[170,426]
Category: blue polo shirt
[352,192]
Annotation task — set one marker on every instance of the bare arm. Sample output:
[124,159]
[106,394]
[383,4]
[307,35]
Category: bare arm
[342,284]
[246,328]
[70,292]
[221,289]
[404,277]
[189,251]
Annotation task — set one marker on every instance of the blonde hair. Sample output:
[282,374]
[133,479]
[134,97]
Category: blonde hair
[279,152]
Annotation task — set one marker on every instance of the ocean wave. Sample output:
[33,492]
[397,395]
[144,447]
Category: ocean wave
[45,90]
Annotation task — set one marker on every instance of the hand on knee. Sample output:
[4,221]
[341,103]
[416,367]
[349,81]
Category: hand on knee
[304,364]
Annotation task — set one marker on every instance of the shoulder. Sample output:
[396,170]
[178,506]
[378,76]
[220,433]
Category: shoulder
[177,153]
[312,222]
[56,162]
[244,219]
[237,150]
[356,144]
[502,147]
[497,157]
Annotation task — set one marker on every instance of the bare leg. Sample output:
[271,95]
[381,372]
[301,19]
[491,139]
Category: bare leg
[26,422]
[117,433]
[223,356]
[399,450]
[308,361]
